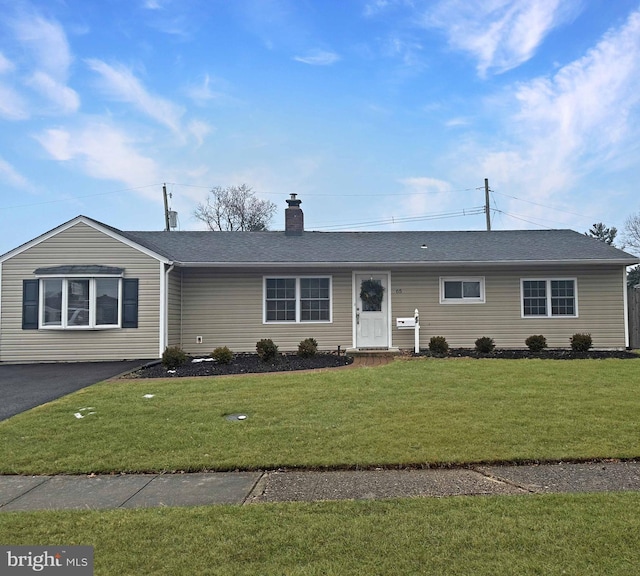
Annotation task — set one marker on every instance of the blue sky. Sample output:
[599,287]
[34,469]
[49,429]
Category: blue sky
[381,114]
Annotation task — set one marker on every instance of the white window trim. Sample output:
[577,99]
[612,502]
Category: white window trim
[549,314]
[463,300]
[297,320]
[65,303]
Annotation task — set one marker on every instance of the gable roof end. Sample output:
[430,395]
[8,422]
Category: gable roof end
[96,225]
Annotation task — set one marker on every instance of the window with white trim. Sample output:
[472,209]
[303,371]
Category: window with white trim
[69,303]
[297,299]
[462,290]
[549,298]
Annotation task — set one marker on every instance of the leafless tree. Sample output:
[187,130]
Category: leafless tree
[631,235]
[235,208]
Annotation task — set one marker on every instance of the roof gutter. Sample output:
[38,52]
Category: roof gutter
[428,264]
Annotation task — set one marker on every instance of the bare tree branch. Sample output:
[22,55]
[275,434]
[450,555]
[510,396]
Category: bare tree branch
[235,208]
[631,234]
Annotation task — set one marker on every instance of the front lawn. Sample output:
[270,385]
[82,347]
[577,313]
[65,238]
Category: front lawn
[410,412]
[578,535]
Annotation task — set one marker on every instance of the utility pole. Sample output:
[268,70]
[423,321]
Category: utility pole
[487,207]
[166,208]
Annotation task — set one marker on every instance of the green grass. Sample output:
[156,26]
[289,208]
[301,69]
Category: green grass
[408,412]
[584,534]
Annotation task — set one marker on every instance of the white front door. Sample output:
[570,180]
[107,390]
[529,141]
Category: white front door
[372,310]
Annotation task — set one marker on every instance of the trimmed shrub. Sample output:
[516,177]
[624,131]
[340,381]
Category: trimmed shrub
[307,348]
[222,355]
[485,345]
[536,343]
[438,345]
[581,342]
[266,349]
[173,357]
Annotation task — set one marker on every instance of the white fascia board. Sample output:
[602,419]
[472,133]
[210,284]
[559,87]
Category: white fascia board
[92,224]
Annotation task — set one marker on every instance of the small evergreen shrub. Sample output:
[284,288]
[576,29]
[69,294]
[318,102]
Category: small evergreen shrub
[438,345]
[266,349]
[536,343]
[222,355]
[307,348]
[173,357]
[485,345]
[581,342]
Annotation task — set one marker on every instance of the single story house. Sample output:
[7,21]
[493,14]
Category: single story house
[88,291]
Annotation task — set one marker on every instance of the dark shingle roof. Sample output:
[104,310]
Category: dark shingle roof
[433,247]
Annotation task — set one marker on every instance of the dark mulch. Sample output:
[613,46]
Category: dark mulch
[550,354]
[244,364]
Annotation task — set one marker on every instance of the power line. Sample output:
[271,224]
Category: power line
[542,205]
[523,219]
[340,195]
[395,220]
[77,197]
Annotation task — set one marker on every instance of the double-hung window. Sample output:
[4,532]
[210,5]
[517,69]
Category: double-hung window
[549,298]
[297,299]
[462,290]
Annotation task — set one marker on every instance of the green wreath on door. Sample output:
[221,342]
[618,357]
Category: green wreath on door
[371,294]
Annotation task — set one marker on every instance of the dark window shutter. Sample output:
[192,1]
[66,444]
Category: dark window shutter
[30,302]
[130,303]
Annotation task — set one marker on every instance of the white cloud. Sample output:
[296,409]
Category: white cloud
[11,176]
[427,195]
[45,41]
[565,128]
[5,64]
[122,85]
[65,99]
[318,58]
[375,7]
[12,105]
[499,34]
[584,109]
[199,130]
[457,122]
[152,5]
[209,89]
[102,151]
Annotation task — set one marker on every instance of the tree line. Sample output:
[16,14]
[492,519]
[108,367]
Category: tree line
[630,240]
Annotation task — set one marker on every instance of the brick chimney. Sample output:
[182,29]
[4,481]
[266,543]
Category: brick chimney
[293,217]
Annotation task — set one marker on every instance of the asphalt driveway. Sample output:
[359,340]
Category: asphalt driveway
[25,386]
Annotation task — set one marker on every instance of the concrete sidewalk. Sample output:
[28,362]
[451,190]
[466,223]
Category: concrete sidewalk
[22,493]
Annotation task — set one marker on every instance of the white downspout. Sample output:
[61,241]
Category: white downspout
[625,292]
[164,307]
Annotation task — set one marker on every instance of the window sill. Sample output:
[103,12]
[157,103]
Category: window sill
[294,322]
[78,328]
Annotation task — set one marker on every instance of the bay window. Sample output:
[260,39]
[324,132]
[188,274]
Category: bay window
[80,302]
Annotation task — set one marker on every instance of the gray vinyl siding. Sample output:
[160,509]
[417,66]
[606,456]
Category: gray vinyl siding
[79,244]
[600,307]
[226,309]
[174,303]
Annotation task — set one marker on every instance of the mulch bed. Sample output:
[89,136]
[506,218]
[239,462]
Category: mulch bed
[252,364]
[243,364]
[552,354]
